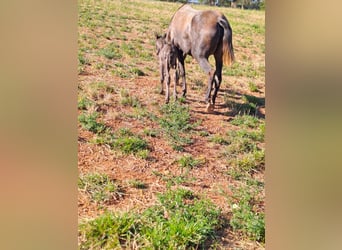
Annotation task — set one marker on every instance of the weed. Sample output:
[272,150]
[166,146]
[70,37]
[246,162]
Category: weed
[151,132]
[138,184]
[112,51]
[84,103]
[252,87]
[89,122]
[245,218]
[245,121]
[99,187]
[131,145]
[128,100]
[219,139]
[203,133]
[187,161]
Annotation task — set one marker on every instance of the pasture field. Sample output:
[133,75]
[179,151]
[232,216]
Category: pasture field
[157,176]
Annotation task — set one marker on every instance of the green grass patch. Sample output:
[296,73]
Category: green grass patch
[189,162]
[128,100]
[131,145]
[245,121]
[84,103]
[245,216]
[175,123]
[99,187]
[138,184]
[111,51]
[253,87]
[89,122]
[180,220]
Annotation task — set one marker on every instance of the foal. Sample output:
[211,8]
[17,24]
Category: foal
[168,55]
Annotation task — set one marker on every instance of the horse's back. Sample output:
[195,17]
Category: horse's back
[187,25]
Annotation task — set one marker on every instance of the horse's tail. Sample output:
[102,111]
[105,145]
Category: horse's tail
[227,40]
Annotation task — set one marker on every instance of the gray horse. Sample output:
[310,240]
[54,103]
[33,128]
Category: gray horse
[201,34]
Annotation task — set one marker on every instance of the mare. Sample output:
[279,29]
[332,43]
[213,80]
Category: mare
[201,34]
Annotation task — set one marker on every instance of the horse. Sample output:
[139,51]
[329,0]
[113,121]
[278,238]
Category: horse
[167,54]
[201,33]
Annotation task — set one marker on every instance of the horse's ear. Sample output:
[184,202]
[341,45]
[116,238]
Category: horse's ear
[157,35]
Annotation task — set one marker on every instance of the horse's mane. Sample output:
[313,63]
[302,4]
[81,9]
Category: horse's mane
[177,11]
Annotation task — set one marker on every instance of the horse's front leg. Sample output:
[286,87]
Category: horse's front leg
[203,62]
[217,75]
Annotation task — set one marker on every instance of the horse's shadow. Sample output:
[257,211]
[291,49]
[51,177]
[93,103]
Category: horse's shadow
[237,104]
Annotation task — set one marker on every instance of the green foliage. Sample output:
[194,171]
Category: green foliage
[151,132]
[179,221]
[175,123]
[138,184]
[89,122]
[107,231]
[245,218]
[128,100]
[99,187]
[131,144]
[245,121]
[219,139]
[187,161]
[84,103]
[252,87]
[112,51]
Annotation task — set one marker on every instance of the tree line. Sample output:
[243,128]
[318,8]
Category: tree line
[244,4]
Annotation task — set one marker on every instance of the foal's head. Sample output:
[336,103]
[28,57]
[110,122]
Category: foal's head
[166,52]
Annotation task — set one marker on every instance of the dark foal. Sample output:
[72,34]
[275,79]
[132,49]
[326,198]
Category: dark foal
[168,55]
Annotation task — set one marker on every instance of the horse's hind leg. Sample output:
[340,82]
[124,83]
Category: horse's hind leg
[218,75]
[161,71]
[176,82]
[181,67]
[203,62]
[167,87]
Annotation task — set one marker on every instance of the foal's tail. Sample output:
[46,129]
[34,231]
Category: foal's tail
[227,40]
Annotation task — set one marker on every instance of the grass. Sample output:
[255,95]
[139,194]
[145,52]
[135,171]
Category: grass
[180,220]
[116,51]
[89,122]
[99,187]
[130,144]
[189,162]
[175,123]
[245,217]
[128,100]
[111,51]
[138,184]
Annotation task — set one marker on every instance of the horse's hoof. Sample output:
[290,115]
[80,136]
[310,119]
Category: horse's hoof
[209,108]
